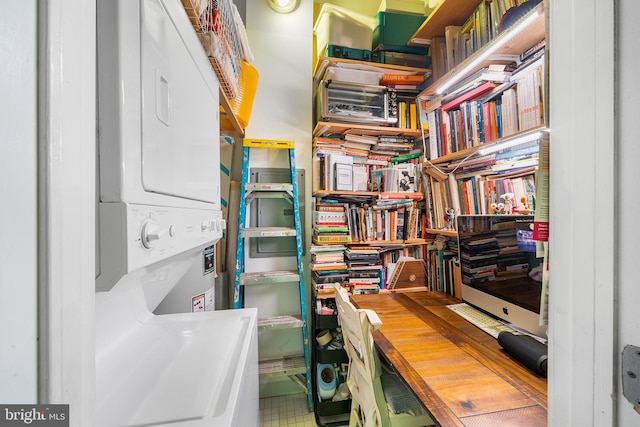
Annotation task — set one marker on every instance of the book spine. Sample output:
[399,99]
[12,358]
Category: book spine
[332,239]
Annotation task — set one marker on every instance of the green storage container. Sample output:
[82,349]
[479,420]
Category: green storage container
[394,31]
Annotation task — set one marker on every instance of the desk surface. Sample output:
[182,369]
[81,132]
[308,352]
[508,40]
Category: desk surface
[460,373]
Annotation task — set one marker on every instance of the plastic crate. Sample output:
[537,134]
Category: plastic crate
[343,27]
[405,59]
[349,75]
[393,31]
[334,51]
[403,6]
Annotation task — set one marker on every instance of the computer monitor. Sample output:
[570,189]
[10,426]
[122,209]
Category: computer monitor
[500,272]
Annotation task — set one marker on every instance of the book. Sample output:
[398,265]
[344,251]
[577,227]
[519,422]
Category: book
[334,159]
[331,238]
[388,79]
[320,217]
[363,139]
[360,178]
[474,92]
[344,177]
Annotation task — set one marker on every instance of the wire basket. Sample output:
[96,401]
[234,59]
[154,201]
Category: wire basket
[214,22]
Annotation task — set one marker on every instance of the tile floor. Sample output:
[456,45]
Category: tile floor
[286,411]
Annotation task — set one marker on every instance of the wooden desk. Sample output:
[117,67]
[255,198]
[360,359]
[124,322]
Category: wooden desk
[460,373]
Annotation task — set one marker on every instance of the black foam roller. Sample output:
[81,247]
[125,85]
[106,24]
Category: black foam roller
[525,349]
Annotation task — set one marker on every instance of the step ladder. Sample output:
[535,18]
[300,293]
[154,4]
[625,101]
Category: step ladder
[297,368]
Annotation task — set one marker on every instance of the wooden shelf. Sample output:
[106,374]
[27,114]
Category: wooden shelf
[228,112]
[372,194]
[327,61]
[395,243]
[448,12]
[325,128]
[467,152]
[447,233]
[503,55]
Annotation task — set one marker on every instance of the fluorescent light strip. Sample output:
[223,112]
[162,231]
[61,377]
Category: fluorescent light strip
[497,45]
[509,143]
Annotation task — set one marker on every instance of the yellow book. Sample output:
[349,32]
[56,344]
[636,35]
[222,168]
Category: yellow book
[402,114]
[413,116]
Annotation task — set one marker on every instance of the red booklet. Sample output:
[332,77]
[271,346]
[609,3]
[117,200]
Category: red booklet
[468,95]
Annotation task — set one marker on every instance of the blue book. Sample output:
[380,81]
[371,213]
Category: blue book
[480,124]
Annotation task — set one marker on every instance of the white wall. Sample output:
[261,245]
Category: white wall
[18,192]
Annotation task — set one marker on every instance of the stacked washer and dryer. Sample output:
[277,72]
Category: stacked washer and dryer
[159,214]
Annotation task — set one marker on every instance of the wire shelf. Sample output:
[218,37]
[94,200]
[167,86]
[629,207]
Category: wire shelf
[217,30]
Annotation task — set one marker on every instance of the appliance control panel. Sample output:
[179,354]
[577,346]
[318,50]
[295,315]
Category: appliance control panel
[155,233]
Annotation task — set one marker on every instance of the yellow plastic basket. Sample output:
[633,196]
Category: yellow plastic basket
[242,104]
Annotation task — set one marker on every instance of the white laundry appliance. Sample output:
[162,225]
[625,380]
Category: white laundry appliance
[159,210]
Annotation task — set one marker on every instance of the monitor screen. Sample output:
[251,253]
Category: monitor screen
[499,268]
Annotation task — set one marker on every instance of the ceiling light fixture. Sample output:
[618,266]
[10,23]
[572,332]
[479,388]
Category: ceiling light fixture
[283,6]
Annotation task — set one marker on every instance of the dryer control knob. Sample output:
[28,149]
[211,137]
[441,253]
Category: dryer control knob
[150,233]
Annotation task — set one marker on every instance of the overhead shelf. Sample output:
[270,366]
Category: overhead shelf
[226,103]
[447,12]
[327,61]
[515,44]
[325,128]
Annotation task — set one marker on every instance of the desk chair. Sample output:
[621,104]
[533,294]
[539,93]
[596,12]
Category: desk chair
[373,405]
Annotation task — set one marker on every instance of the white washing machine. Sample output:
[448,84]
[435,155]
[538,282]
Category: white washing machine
[159,209]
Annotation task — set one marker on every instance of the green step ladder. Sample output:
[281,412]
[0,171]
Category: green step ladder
[297,368]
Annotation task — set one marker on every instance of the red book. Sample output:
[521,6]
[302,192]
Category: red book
[469,95]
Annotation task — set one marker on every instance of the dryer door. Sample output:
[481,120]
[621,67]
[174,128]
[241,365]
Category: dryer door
[180,107]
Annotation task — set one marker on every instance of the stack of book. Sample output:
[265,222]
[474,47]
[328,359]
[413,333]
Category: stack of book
[330,224]
[328,267]
[365,269]
[390,145]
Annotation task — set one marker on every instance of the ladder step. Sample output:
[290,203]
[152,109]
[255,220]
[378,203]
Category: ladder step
[269,232]
[286,366]
[268,143]
[280,322]
[283,276]
[272,187]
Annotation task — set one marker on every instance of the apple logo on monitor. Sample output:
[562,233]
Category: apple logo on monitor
[505,310]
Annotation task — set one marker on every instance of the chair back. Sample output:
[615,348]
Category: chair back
[363,377]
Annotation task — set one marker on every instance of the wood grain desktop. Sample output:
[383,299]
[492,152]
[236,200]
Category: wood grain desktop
[459,372]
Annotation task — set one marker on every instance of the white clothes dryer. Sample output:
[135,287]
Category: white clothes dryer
[159,207]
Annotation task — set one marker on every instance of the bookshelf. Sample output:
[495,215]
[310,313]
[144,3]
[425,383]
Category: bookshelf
[503,49]
[461,168]
[359,262]
[461,171]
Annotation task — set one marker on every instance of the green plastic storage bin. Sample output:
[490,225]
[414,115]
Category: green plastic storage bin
[394,31]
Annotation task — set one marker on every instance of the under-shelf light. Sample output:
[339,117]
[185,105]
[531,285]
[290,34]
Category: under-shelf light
[512,32]
[510,143]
